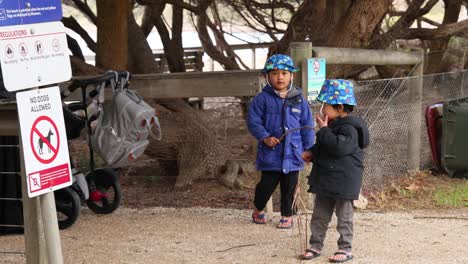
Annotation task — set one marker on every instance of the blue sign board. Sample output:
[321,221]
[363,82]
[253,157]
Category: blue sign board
[316,69]
[19,12]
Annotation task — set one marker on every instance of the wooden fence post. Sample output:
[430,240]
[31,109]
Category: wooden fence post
[300,52]
[416,92]
[34,238]
[51,234]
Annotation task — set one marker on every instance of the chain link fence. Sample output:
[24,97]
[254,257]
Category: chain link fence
[388,108]
[11,214]
[386,105]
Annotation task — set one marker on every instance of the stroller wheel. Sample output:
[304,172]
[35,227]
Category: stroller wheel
[68,205]
[104,191]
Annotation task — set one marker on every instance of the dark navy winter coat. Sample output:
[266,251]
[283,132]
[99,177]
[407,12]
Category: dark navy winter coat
[270,115]
[338,158]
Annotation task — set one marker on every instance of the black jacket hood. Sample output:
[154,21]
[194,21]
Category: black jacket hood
[360,125]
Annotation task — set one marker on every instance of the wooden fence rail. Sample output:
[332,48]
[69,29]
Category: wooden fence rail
[192,84]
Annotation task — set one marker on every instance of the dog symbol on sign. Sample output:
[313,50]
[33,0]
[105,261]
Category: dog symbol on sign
[35,182]
[41,142]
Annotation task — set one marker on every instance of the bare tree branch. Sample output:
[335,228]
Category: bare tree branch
[430,22]
[218,31]
[147,23]
[179,3]
[260,19]
[249,23]
[85,9]
[457,29]
[404,22]
[274,5]
[71,23]
[75,48]
[210,49]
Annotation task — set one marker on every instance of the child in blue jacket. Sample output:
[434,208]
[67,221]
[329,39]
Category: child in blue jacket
[279,108]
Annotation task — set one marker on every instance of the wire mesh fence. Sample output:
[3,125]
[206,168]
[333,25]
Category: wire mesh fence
[387,106]
[11,214]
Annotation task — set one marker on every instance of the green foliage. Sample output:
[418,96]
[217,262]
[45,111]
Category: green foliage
[455,195]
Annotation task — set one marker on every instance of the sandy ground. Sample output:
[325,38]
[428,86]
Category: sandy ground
[204,235]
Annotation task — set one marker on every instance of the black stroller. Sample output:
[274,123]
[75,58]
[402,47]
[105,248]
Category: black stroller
[100,188]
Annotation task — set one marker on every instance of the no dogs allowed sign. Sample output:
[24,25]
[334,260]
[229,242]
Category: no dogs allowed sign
[44,140]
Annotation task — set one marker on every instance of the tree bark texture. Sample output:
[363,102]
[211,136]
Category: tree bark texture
[435,59]
[112,34]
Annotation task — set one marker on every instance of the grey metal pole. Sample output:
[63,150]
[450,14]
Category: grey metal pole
[416,93]
[300,52]
[52,235]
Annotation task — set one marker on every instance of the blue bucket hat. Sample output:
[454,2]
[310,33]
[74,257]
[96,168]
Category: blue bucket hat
[279,62]
[337,91]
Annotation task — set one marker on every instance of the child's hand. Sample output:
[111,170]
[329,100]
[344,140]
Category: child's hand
[321,122]
[271,141]
[307,156]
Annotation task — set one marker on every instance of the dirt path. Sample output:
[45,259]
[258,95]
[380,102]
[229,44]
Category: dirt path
[202,235]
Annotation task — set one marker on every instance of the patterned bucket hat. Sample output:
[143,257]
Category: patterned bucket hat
[337,91]
[279,62]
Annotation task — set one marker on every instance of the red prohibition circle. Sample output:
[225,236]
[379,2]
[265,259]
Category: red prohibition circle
[316,66]
[34,130]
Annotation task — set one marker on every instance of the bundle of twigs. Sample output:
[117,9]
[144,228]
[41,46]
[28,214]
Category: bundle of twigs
[300,208]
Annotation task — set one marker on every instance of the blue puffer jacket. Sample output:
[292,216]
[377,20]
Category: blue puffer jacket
[270,115]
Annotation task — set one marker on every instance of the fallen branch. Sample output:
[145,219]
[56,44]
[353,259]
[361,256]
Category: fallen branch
[12,252]
[240,246]
[441,217]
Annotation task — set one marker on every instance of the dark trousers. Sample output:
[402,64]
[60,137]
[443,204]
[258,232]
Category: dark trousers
[267,186]
[323,211]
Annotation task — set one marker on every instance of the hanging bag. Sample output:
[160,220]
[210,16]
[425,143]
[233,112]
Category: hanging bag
[123,127]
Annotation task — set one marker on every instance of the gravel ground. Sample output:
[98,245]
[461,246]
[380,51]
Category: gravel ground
[204,235]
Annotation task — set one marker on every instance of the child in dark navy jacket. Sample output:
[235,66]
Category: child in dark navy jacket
[278,108]
[336,176]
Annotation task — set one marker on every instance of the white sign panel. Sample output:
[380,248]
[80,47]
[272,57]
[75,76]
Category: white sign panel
[44,140]
[34,55]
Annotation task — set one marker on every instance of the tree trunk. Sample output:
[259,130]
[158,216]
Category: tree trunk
[112,34]
[435,59]
[140,55]
[189,148]
[356,29]
[81,68]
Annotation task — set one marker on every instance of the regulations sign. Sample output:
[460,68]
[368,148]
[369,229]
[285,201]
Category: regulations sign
[316,74]
[44,140]
[18,12]
[34,55]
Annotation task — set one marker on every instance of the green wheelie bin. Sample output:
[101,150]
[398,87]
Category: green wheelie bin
[454,149]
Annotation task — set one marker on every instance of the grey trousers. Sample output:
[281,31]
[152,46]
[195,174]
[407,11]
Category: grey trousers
[323,211]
